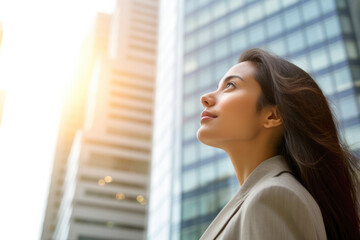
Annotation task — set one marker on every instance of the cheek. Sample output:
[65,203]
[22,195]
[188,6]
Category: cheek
[239,114]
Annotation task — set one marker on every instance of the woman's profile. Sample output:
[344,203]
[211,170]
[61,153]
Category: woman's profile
[298,179]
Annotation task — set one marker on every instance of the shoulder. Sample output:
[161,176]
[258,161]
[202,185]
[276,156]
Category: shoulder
[284,187]
[283,207]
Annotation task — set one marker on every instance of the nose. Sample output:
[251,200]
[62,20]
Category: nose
[207,100]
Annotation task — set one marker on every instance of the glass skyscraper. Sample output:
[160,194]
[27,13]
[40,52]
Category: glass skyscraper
[317,35]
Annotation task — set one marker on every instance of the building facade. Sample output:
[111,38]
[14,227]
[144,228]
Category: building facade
[165,189]
[72,117]
[317,35]
[105,188]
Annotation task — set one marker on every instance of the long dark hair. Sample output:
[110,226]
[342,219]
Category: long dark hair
[320,160]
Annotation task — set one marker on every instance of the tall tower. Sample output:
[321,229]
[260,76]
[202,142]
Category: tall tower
[165,191]
[72,116]
[107,176]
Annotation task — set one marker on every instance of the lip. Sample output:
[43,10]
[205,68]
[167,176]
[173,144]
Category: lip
[207,115]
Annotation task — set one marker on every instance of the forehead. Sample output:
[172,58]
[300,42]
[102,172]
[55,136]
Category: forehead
[244,69]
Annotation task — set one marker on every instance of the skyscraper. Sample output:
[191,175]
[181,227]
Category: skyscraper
[165,192]
[317,35]
[72,116]
[106,181]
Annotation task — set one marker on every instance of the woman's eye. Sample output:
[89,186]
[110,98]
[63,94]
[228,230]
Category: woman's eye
[230,83]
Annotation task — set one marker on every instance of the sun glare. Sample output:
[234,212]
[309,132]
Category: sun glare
[38,55]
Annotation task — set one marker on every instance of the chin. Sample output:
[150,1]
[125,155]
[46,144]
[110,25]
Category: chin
[201,136]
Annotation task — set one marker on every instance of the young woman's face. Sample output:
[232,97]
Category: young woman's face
[234,106]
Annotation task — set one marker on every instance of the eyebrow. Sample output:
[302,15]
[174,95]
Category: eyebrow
[229,77]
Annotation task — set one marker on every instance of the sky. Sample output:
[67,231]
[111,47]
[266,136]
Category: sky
[38,53]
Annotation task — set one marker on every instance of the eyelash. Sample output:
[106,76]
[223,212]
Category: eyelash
[230,83]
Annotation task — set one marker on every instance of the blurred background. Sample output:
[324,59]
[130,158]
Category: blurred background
[100,105]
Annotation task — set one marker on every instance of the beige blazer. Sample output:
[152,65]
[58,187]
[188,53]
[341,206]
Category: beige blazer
[271,204]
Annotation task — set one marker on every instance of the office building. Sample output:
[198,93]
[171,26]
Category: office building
[72,116]
[107,175]
[165,191]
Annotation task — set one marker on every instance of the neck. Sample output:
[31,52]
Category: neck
[246,156]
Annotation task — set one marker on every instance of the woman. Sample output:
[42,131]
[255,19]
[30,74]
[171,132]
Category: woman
[298,181]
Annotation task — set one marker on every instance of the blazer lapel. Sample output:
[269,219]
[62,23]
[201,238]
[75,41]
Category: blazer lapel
[268,168]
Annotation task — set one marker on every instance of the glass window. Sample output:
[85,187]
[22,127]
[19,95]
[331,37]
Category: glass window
[257,34]
[341,3]
[352,136]
[208,203]
[292,18]
[238,41]
[274,26]
[190,180]
[189,6]
[332,27]
[190,63]
[190,23]
[190,130]
[203,16]
[302,62]
[272,6]
[190,106]
[207,173]
[355,72]
[278,46]
[219,28]
[189,233]
[351,49]
[205,56]
[190,153]
[315,34]
[205,150]
[221,68]
[219,9]
[335,111]
[221,48]
[348,107]
[190,209]
[237,20]
[225,168]
[255,12]
[345,23]
[287,3]
[203,227]
[343,79]
[224,195]
[190,84]
[337,52]
[205,77]
[310,10]
[326,84]
[319,59]
[203,36]
[235,4]
[190,43]
[295,42]
[327,6]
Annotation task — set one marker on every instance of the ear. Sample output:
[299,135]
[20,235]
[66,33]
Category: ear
[272,117]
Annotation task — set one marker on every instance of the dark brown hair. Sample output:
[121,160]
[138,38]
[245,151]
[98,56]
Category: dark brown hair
[311,145]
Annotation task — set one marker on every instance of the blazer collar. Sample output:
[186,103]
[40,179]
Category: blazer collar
[268,168]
